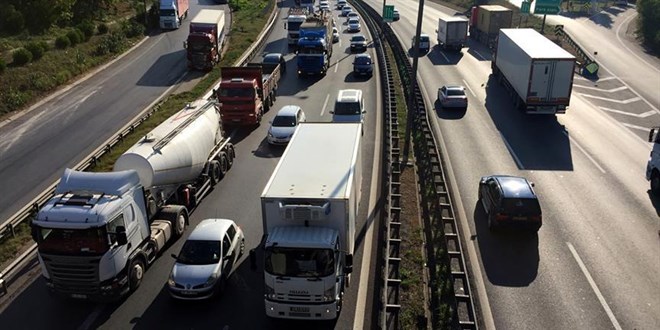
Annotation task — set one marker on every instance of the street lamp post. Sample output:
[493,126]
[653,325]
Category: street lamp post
[413,81]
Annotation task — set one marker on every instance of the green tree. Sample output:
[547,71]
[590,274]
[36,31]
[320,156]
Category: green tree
[649,22]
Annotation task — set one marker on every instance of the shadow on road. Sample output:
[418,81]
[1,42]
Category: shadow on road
[510,259]
[439,57]
[166,69]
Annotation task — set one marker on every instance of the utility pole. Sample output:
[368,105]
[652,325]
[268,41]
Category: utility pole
[413,81]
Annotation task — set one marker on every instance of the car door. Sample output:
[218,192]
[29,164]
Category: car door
[227,261]
[234,239]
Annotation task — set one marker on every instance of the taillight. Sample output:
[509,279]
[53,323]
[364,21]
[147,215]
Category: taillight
[535,218]
[501,216]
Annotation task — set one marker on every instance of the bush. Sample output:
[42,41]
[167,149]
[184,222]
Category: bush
[13,21]
[112,43]
[37,50]
[3,65]
[21,56]
[103,28]
[75,36]
[62,42]
[41,81]
[62,77]
[132,29]
[87,29]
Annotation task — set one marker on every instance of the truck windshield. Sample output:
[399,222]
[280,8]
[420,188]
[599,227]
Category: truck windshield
[293,25]
[310,49]
[199,45]
[91,241]
[167,12]
[237,92]
[347,108]
[297,262]
[199,253]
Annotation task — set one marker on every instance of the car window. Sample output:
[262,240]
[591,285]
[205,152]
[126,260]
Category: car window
[424,38]
[231,232]
[347,108]
[522,205]
[284,121]
[455,92]
[226,244]
[357,38]
[196,252]
[112,227]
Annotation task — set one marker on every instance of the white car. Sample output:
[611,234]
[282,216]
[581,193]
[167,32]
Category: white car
[284,124]
[452,96]
[335,34]
[324,7]
[206,260]
[352,15]
[354,25]
[345,10]
[341,4]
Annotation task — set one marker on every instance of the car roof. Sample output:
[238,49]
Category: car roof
[358,35]
[515,186]
[288,110]
[349,95]
[273,55]
[363,55]
[210,230]
[454,87]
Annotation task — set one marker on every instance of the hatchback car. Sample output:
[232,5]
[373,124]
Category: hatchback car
[358,43]
[274,58]
[335,34]
[284,124]
[354,25]
[345,10]
[510,201]
[206,260]
[452,97]
[363,65]
[424,43]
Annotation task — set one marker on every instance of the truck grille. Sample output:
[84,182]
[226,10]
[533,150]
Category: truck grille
[299,298]
[78,275]
[199,61]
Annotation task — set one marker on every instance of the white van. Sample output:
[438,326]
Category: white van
[349,107]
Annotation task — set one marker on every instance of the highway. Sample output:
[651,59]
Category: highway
[594,263]
[237,198]
[63,129]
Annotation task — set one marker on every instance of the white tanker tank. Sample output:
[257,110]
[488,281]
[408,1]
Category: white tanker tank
[186,149]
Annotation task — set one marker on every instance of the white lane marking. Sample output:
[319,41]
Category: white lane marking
[594,287]
[645,129]
[468,87]
[617,89]
[445,56]
[618,29]
[584,152]
[515,157]
[638,115]
[634,99]
[325,103]
[482,57]
[576,77]
[89,321]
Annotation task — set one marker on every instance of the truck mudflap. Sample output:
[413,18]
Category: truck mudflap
[326,311]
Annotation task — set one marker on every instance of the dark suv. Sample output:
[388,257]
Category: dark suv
[510,201]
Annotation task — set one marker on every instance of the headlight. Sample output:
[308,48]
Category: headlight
[211,281]
[270,292]
[270,134]
[329,294]
[170,281]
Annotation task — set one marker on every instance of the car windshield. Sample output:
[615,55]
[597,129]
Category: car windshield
[455,92]
[237,92]
[347,108]
[522,205]
[284,121]
[424,38]
[353,21]
[297,262]
[358,38]
[91,241]
[167,12]
[271,59]
[362,60]
[199,253]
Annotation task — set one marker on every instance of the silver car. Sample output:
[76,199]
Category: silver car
[284,124]
[206,260]
[452,96]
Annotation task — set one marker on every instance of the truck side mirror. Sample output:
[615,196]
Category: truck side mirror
[253,259]
[34,231]
[651,134]
[121,236]
[185,44]
[348,267]
[174,256]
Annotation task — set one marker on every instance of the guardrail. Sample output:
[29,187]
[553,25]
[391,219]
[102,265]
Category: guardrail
[443,248]
[585,64]
[27,212]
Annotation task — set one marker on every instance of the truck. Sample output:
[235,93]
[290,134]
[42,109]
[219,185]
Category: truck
[100,231]
[246,93]
[487,20]
[537,72]
[653,165]
[309,209]
[205,39]
[315,44]
[452,31]
[309,4]
[172,13]
[296,16]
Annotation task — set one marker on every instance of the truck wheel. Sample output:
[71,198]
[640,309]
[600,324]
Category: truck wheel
[231,154]
[135,273]
[214,172]
[274,98]
[655,183]
[224,164]
[177,217]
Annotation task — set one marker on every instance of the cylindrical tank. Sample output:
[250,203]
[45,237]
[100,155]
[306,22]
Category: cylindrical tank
[176,151]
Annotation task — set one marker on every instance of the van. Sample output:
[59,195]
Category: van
[349,107]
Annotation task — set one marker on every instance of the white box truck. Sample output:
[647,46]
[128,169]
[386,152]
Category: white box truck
[452,31]
[99,233]
[536,71]
[309,208]
[172,13]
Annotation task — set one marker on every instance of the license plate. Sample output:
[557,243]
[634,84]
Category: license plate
[79,296]
[186,292]
[300,309]
[235,120]
[519,218]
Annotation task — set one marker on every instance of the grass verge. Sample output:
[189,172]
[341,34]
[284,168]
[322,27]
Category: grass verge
[247,24]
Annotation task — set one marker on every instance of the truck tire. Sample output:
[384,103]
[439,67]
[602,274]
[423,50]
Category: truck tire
[136,273]
[177,216]
[230,155]
[655,183]
[214,172]
[224,164]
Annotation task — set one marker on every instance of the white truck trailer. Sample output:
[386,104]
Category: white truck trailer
[101,231]
[452,31]
[309,208]
[653,165]
[536,71]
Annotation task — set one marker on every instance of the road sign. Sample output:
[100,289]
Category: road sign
[547,7]
[388,13]
[524,7]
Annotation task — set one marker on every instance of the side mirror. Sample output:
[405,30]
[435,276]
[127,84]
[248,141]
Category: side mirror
[185,44]
[436,30]
[121,235]
[348,267]
[270,121]
[34,231]
[332,112]
[174,256]
[253,259]
[364,111]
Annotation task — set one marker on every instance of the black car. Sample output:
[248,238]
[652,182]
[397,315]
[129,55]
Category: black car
[363,65]
[274,58]
[358,43]
[510,201]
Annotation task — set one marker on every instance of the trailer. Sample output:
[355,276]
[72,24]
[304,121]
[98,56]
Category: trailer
[205,39]
[452,32]
[486,22]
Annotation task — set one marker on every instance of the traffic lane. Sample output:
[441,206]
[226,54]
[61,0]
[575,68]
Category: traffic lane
[61,132]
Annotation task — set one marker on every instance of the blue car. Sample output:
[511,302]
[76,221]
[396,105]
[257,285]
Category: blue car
[363,65]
